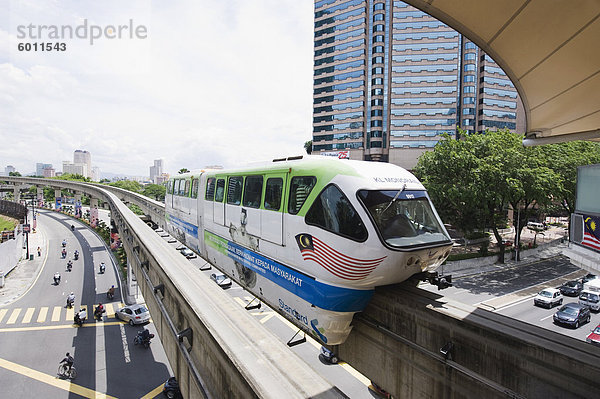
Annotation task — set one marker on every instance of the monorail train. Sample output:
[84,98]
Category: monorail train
[311,237]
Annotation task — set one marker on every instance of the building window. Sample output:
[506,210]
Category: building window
[470,56]
[378,28]
[378,49]
[378,60]
[468,100]
[469,78]
[379,6]
[378,17]
[377,70]
[468,111]
[375,144]
[469,89]
[377,92]
[376,123]
[469,67]
[377,81]
[376,112]
[378,39]
[377,101]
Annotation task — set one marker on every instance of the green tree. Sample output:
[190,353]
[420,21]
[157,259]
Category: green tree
[308,146]
[156,191]
[472,181]
[15,173]
[73,176]
[183,170]
[128,185]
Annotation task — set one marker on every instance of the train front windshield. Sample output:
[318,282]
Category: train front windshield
[404,218]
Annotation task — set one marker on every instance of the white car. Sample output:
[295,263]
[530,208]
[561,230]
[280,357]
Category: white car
[134,314]
[548,297]
[187,253]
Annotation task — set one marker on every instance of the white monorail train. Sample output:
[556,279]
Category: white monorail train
[310,237]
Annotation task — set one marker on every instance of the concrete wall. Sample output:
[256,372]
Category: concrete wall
[11,252]
[397,341]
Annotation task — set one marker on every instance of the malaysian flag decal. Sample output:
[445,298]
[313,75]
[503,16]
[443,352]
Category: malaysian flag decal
[591,234]
[335,262]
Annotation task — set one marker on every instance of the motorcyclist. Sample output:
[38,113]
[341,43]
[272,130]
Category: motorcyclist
[111,292]
[70,300]
[102,267]
[64,253]
[80,316]
[56,278]
[145,334]
[98,312]
[64,242]
[69,265]
[76,254]
[68,360]
[72,228]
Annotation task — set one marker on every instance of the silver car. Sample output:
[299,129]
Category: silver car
[187,253]
[133,314]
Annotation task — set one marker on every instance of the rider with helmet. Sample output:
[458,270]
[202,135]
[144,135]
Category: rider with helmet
[68,360]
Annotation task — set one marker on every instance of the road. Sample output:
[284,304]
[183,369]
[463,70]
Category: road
[510,291]
[37,329]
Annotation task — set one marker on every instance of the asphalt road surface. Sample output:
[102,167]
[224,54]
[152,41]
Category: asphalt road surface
[36,330]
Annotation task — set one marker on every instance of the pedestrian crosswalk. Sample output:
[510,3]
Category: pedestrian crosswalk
[50,314]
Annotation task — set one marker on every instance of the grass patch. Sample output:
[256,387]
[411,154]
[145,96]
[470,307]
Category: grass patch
[7,223]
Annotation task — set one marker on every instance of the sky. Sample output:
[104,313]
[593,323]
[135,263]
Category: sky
[194,82]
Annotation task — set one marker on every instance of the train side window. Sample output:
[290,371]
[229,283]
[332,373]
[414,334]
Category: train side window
[220,190]
[210,189]
[234,190]
[273,193]
[186,189]
[195,188]
[176,189]
[300,188]
[253,191]
[333,212]
[170,187]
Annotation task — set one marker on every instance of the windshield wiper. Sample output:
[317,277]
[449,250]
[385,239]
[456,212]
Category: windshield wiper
[395,198]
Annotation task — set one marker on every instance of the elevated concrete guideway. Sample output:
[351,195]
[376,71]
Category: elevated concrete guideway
[548,48]
[413,343]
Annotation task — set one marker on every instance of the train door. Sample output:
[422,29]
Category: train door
[219,206]
[272,216]
[208,194]
[250,213]
[233,201]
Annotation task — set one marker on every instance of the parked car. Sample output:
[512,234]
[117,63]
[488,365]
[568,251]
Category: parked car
[222,280]
[328,355]
[573,314]
[133,314]
[594,337]
[590,299]
[171,389]
[382,393]
[589,277]
[571,288]
[188,253]
[548,297]
[507,243]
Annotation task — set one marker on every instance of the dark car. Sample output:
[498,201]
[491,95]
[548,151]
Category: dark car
[328,355]
[573,315]
[171,389]
[571,288]
[588,277]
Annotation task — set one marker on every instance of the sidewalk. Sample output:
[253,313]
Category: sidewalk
[24,275]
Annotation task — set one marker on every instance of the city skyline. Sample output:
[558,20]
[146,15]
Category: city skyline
[178,93]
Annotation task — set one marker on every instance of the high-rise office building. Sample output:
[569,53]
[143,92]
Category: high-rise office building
[39,168]
[389,80]
[156,170]
[83,157]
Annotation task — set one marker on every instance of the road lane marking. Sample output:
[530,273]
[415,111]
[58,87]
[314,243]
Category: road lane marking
[2,314]
[110,312]
[52,380]
[267,317]
[125,344]
[547,317]
[61,326]
[153,393]
[56,313]
[70,314]
[43,314]
[28,316]
[13,316]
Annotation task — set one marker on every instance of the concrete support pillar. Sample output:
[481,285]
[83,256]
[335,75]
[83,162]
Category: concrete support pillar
[40,197]
[78,213]
[58,199]
[93,212]
[17,193]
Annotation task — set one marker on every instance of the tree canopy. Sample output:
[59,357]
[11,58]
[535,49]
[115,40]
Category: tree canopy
[156,191]
[473,181]
[183,170]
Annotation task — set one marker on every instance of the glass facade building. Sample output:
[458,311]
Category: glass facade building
[389,80]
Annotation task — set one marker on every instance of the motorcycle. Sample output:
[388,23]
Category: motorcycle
[56,278]
[98,313]
[72,228]
[143,338]
[110,294]
[69,266]
[80,318]
[64,253]
[102,268]
[70,302]
[64,243]
[76,255]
